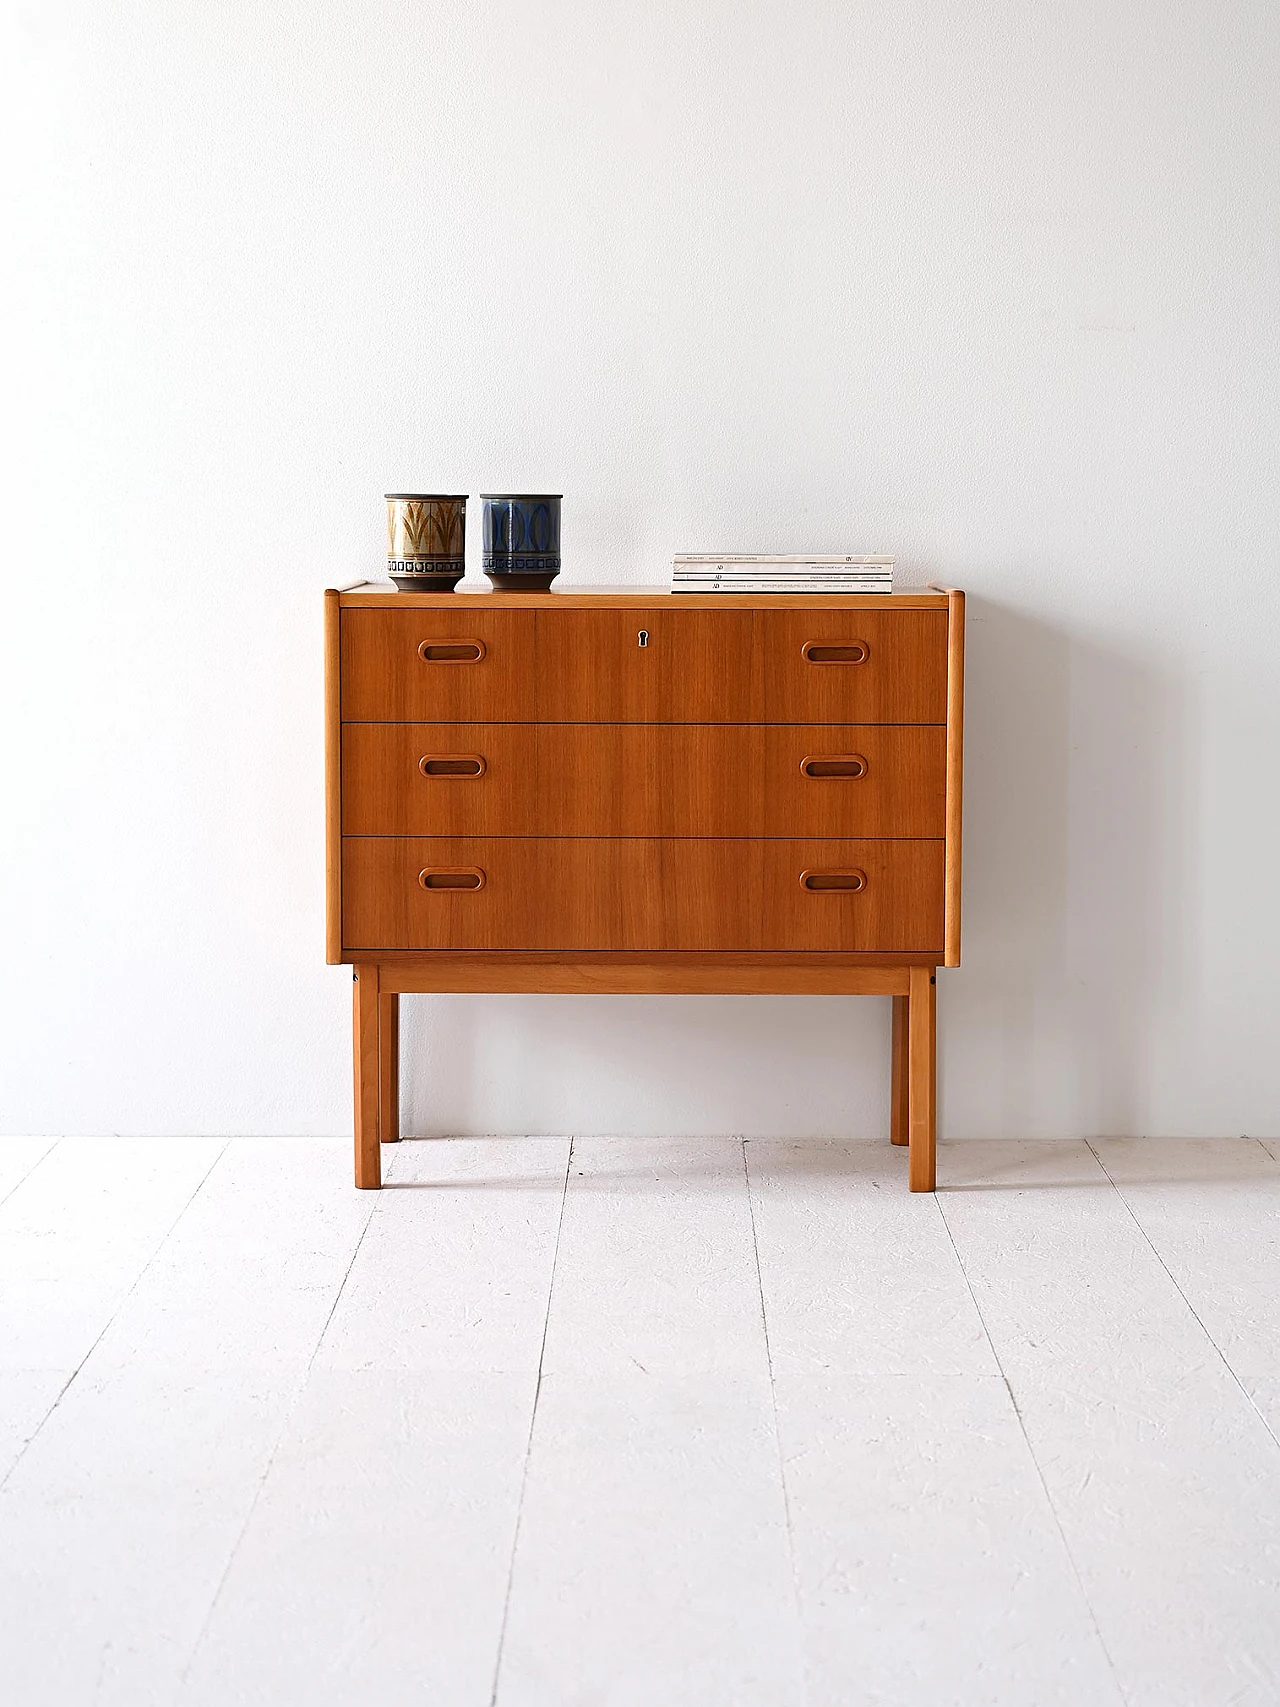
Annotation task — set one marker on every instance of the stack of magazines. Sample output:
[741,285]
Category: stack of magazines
[730,574]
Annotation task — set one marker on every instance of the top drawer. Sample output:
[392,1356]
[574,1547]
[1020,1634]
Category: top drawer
[646,665]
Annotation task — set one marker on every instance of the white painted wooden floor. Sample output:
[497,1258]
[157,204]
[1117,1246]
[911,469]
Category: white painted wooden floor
[647,1423]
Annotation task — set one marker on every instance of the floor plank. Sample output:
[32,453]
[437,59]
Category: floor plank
[859,1274]
[26,1398]
[1063,1277]
[653,1562]
[1168,1489]
[384,1531]
[931,1567]
[1264,1393]
[1161,1473]
[130,1503]
[455,1270]
[76,1235]
[375,1566]
[657,1267]
[81,1220]
[1211,1209]
[250,1277]
[18,1158]
[136,1490]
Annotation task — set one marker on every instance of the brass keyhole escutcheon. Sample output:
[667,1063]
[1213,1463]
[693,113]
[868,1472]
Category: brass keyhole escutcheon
[643,637]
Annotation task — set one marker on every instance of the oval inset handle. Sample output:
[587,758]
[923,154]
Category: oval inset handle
[451,651]
[844,880]
[837,764]
[836,651]
[451,877]
[452,764]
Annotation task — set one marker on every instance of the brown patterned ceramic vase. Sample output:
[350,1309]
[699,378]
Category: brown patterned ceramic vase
[426,536]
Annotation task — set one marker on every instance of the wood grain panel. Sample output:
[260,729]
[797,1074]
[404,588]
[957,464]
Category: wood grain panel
[899,908]
[364,992]
[672,974]
[955,765]
[739,666]
[903,678]
[636,780]
[696,666]
[384,675]
[332,778]
[576,664]
[379,595]
[922,1069]
[568,893]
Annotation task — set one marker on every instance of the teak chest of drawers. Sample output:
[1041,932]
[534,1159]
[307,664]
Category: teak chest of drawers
[644,792]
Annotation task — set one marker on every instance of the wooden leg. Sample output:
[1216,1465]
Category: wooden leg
[899,1102]
[388,1068]
[368,1157]
[922,1072]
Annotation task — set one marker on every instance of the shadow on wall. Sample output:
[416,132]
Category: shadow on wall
[1079,843]
[1079,847]
[641,1065]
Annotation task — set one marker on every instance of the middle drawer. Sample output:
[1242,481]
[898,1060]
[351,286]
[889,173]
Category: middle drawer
[624,779]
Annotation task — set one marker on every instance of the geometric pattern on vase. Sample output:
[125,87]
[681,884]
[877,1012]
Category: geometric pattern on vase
[425,529]
[526,526]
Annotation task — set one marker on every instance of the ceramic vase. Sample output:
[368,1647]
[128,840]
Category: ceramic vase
[521,540]
[426,537]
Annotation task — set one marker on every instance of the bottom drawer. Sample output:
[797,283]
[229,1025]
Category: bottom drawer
[639,892]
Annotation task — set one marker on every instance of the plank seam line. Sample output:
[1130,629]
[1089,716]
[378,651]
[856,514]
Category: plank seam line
[528,1449]
[137,1281]
[1248,1396]
[285,1420]
[1121,1692]
[777,1430]
[39,1161]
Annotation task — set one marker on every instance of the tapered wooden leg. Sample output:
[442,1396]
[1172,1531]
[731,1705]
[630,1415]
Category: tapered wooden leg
[922,1074]
[368,1156]
[388,1068]
[899,1101]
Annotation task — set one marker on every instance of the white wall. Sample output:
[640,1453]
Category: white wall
[990,286]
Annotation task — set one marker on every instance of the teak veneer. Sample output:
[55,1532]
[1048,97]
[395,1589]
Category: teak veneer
[633,791]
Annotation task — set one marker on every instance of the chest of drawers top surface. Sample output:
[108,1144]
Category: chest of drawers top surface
[382,595]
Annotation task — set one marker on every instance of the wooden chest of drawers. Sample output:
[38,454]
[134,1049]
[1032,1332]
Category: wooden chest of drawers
[640,791]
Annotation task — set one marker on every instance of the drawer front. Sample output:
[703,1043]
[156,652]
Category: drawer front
[617,779]
[854,666]
[753,666]
[650,665]
[695,666]
[454,665]
[642,893]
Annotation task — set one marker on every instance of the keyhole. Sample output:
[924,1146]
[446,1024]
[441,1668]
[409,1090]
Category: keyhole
[644,637]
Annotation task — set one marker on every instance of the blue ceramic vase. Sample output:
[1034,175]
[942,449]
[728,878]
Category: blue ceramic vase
[521,540]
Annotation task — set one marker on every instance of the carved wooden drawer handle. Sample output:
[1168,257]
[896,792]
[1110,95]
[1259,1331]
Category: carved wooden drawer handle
[452,877]
[451,651]
[848,881]
[836,652]
[453,764]
[836,764]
